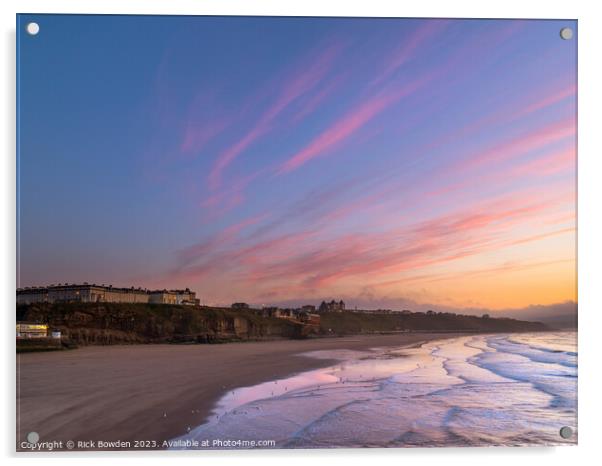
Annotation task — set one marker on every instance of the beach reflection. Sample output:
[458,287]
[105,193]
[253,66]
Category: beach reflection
[467,391]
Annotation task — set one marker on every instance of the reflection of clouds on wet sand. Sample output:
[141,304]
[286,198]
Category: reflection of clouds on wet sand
[474,390]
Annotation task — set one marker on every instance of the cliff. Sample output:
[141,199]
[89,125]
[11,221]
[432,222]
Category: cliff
[353,323]
[112,323]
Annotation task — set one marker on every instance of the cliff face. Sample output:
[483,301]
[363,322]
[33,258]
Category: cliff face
[111,323]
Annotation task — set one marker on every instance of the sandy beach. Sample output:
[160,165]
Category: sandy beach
[155,392]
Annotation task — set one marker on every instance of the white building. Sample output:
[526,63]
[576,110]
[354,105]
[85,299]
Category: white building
[163,297]
[186,297]
[92,293]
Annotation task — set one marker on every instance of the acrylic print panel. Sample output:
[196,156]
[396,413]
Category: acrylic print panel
[375,218]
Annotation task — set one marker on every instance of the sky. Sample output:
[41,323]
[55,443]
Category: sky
[392,163]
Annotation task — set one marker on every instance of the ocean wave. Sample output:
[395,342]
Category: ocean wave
[475,390]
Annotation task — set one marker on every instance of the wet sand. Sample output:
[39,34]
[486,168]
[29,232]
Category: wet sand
[155,392]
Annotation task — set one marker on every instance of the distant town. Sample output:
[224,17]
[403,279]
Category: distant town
[52,314]
[93,293]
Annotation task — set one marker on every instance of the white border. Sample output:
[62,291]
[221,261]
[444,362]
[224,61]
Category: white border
[590,225]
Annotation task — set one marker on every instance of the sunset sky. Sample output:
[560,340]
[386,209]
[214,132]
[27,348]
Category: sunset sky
[387,162]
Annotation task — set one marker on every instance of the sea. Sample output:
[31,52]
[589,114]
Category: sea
[477,390]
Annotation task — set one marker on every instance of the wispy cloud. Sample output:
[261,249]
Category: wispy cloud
[198,134]
[306,261]
[203,118]
[520,145]
[371,106]
[304,78]
[548,100]
[410,48]
[458,179]
[213,244]
[508,114]
[346,126]
[228,197]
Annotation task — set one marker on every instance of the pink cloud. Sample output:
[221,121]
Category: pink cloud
[192,253]
[548,100]
[409,47]
[226,157]
[298,83]
[507,115]
[548,164]
[551,164]
[311,104]
[252,257]
[521,145]
[360,115]
[506,267]
[347,126]
[306,260]
[444,238]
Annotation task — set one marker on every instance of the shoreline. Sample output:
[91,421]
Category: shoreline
[156,392]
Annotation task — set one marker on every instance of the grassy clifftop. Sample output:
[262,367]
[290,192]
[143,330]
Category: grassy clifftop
[350,323]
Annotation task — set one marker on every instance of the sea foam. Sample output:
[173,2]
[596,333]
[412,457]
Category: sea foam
[467,391]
